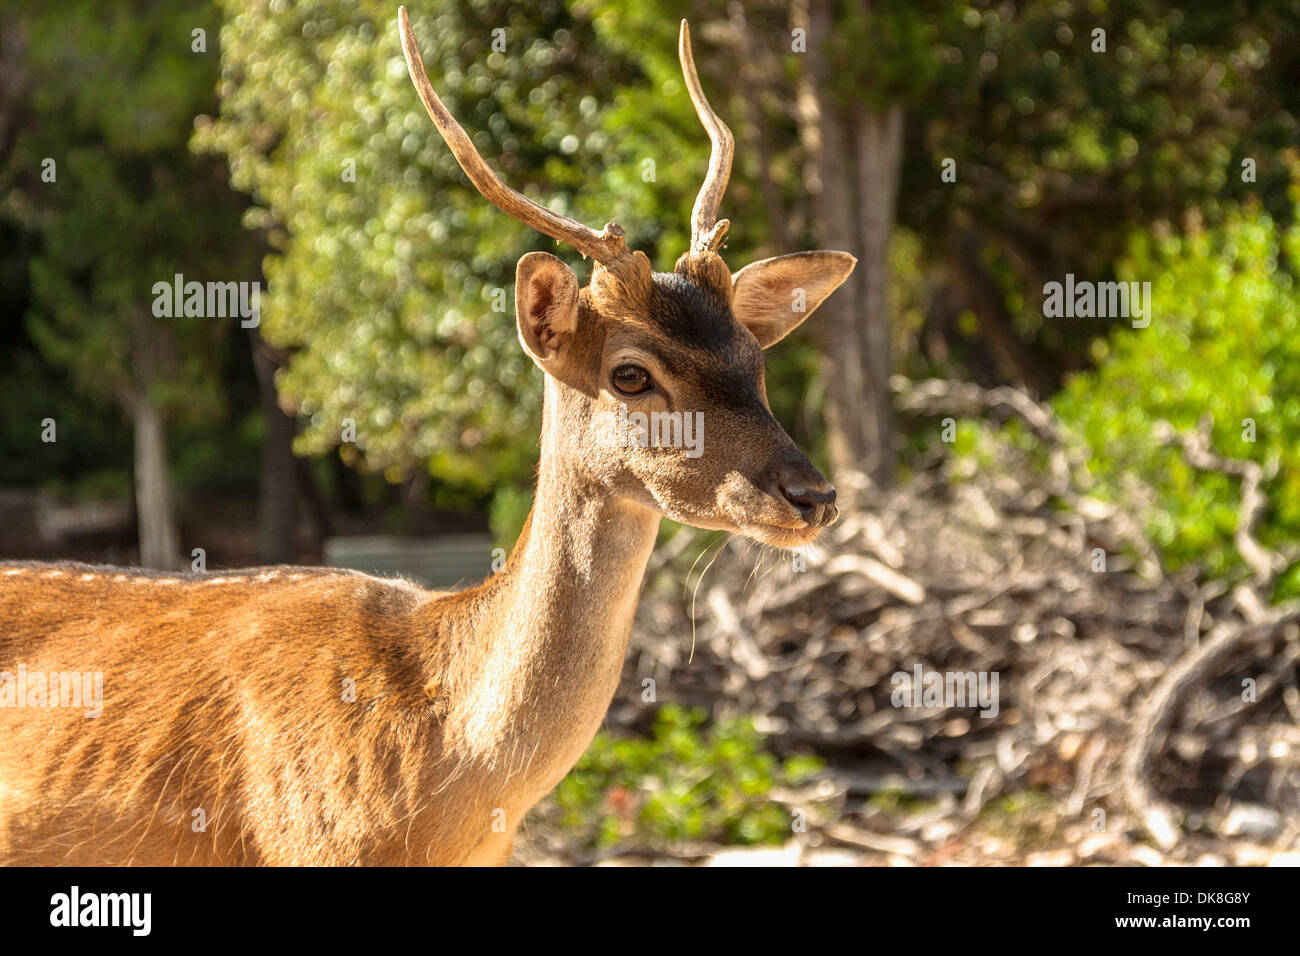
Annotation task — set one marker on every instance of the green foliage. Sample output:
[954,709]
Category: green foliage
[1224,342]
[1062,150]
[90,435]
[506,516]
[685,782]
[130,206]
[393,287]
[1027,817]
[896,802]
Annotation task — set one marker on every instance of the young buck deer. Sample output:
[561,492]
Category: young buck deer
[322,716]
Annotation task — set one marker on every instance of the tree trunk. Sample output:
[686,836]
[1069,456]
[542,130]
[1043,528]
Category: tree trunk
[318,517]
[854,214]
[754,77]
[348,495]
[158,532]
[879,149]
[277,505]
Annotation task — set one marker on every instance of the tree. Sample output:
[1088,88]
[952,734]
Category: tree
[1066,126]
[105,180]
[389,277]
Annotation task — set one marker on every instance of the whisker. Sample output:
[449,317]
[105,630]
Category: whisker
[687,579]
[762,556]
[696,593]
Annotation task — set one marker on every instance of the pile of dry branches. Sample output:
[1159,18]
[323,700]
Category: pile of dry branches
[1157,714]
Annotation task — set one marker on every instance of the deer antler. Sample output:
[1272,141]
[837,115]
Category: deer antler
[707,230]
[604,246]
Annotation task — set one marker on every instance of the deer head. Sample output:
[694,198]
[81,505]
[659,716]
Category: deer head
[655,381]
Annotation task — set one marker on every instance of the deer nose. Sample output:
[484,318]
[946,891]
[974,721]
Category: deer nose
[816,505]
[805,488]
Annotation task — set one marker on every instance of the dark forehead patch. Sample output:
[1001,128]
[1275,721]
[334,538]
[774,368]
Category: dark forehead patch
[696,318]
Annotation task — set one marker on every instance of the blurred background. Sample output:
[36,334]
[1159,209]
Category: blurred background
[1100,512]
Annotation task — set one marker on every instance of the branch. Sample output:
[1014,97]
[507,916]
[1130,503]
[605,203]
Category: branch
[1265,564]
[1151,724]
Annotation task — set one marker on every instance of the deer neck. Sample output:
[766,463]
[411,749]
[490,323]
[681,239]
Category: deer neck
[558,622]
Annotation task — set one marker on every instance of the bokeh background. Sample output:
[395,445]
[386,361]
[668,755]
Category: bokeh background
[1105,516]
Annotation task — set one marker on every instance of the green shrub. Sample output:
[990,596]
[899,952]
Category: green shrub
[1224,342]
[686,782]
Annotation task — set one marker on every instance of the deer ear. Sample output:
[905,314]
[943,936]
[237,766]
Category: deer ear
[772,296]
[546,308]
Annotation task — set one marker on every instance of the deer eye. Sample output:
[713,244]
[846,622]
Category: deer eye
[632,379]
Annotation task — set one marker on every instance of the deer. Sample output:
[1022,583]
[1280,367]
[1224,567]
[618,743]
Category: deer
[326,717]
